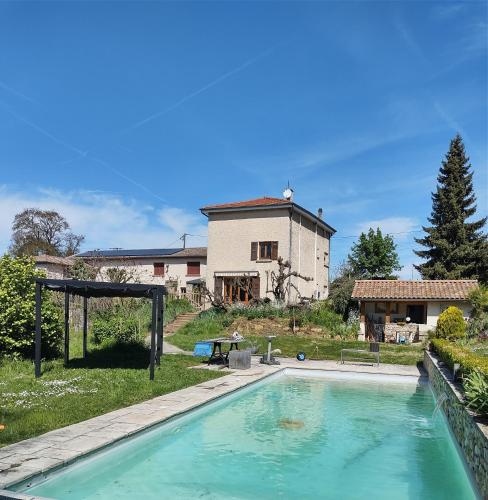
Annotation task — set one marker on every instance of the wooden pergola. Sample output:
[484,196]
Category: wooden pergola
[89,289]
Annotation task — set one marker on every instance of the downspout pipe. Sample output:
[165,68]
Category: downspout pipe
[289,250]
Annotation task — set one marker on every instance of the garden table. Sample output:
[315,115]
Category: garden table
[222,357]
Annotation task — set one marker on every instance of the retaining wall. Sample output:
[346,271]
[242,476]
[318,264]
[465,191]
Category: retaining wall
[471,435]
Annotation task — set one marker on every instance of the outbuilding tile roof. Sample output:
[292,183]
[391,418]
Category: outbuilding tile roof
[413,289]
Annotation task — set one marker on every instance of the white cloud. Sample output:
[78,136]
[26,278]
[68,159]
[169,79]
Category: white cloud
[106,220]
[399,227]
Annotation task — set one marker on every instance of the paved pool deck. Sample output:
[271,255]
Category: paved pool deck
[58,448]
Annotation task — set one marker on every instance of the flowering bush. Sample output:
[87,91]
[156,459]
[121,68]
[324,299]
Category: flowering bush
[17,310]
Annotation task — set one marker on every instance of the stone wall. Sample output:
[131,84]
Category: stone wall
[471,435]
[410,332]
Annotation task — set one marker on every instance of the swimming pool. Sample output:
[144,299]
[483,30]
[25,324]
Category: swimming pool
[291,437]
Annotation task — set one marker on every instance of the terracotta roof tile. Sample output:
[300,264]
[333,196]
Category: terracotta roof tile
[257,202]
[412,290]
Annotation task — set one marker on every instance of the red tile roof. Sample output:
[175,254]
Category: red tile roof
[413,290]
[257,202]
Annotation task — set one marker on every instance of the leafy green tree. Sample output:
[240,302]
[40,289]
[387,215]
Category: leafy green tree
[17,310]
[455,246]
[36,231]
[341,290]
[374,256]
[80,270]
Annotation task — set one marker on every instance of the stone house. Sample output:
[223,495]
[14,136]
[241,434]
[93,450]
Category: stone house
[246,238]
[390,309]
[54,267]
[179,269]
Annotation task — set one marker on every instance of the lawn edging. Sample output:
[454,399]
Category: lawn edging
[470,434]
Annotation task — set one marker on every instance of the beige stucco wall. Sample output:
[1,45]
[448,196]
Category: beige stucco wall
[143,269]
[434,309]
[310,257]
[229,248]
[229,242]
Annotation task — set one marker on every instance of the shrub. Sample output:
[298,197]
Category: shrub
[17,310]
[119,328]
[322,314]
[451,353]
[476,391]
[174,307]
[478,326]
[479,301]
[451,324]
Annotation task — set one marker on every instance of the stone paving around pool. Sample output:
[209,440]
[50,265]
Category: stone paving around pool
[55,449]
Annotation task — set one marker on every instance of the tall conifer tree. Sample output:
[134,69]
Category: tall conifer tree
[455,248]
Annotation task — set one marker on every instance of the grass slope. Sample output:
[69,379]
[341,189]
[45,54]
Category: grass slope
[315,347]
[111,377]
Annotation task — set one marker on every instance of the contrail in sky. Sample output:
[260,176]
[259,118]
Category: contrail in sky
[16,93]
[218,80]
[79,151]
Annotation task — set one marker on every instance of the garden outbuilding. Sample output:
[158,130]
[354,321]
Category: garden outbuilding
[89,289]
[407,308]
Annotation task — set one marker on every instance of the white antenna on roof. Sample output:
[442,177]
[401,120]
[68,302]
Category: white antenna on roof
[288,192]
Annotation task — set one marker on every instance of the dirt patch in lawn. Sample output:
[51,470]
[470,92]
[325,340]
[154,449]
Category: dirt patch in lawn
[275,326]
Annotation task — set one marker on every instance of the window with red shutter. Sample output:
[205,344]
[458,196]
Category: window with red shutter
[158,268]
[193,268]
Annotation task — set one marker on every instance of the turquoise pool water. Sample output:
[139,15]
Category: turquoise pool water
[291,438]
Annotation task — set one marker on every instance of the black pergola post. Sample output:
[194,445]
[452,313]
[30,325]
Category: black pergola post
[159,328]
[153,333]
[37,356]
[66,328]
[85,324]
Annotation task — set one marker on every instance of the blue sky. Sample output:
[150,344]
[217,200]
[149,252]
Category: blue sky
[129,116]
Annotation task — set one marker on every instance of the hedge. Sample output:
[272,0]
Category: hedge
[451,353]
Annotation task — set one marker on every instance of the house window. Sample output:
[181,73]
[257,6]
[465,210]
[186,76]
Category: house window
[264,250]
[379,307]
[158,269]
[394,308]
[193,269]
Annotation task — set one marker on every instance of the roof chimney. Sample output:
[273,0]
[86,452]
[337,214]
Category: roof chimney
[319,213]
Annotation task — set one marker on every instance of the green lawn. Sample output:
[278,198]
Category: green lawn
[110,378]
[315,348]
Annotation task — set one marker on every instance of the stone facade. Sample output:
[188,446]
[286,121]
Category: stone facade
[471,435]
[410,332]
